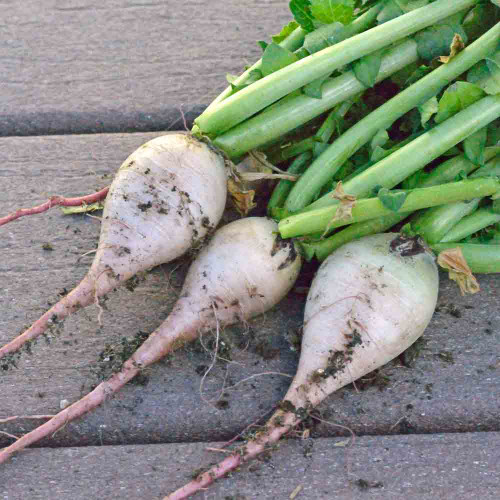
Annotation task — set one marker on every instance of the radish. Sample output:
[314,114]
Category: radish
[369,301]
[167,196]
[244,271]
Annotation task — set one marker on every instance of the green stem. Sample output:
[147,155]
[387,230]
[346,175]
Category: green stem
[323,248]
[433,224]
[323,135]
[480,219]
[283,187]
[295,40]
[248,101]
[480,258]
[368,208]
[367,165]
[450,169]
[324,168]
[393,169]
[291,42]
[296,110]
[280,155]
[445,172]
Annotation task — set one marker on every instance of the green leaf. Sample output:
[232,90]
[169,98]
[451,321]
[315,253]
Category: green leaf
[253,76]
[420,72]
[285,32]
[276,57]
[407,230]
[434,41]
[496,2]
[427,109]
[415,180]
[479,19]
[262,44]
[474,146]
[330,11]
[301,10]
[313,89]
[379,139]
[454,151]
[411,122]
[481,75]
[393,200]
[378,154]
[493,64]
[456,97]
[366,69]
[318,148]
[493,133]
[495,206]
[396,8]
[409,5]
[461,176]
[390,11]
[82,209]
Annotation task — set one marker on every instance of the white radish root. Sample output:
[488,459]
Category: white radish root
[245,270]
[167,196]
[369,301]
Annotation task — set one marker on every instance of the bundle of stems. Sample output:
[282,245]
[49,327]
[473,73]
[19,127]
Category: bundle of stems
[324,71]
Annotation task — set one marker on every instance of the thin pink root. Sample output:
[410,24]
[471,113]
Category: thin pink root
[240,456]
[55,201]
[81,296]
[168,337]
[87,403]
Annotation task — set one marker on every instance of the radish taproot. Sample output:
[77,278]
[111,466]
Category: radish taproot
[166,196]
[369,301]
[245,270]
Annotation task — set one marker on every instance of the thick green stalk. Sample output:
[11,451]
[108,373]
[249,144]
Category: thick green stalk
[369,208]
[436,223]
[446,172]
[450,169]
[367,165]
[248,101]
[297,110]
[295,40]
[393,169]
[492,168]
[480,258]
[433,224]
[323,135]
[324,168]
[323,248]
[480,219]
[292,42]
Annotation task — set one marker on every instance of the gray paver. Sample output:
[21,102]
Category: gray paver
[83,66]
[418,467]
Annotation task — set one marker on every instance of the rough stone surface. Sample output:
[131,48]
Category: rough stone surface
[421,467]
[85,66]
